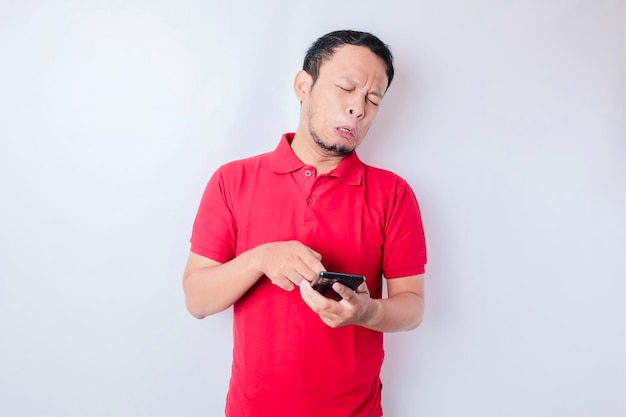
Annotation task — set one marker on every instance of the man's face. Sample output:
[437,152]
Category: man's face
[342,104]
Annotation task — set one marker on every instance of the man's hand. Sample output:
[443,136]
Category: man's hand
[356,307]
[287,264]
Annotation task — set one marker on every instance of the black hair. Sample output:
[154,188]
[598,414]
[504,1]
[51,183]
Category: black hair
[324,48]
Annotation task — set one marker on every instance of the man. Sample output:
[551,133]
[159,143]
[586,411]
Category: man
[271,223]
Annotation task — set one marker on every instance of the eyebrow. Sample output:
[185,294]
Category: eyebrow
[356,84]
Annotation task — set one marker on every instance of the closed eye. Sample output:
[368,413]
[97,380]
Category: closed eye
[374,102]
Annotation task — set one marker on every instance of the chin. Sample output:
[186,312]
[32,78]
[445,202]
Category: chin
[331,147]
[334,148]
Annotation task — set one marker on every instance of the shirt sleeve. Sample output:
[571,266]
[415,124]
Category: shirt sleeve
[214,230]
[404,248]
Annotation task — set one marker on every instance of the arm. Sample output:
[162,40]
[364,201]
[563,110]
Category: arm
[211,287]
[403,309]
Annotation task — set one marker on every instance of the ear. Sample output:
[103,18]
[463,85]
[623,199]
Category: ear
[302,84]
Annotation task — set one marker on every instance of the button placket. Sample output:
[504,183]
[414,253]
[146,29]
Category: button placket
[310,183]
[308,173]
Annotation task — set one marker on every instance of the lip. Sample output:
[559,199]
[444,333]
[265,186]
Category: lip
[349,134]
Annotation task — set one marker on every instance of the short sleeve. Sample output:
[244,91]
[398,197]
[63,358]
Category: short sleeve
[404,248]
[214,229]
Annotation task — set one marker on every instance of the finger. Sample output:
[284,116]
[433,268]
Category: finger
[305,288]
[312,294]
[311,258]
[348,294]
[316,301]
[317,255]
[303,250]
[297,276]
[310,268]
[362,288]
[284,283]
[342,290]
[287,281]
[308,294]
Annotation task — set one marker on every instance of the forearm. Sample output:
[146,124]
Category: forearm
[400,312]
[212,289]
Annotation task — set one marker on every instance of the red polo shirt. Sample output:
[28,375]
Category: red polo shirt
[362,220]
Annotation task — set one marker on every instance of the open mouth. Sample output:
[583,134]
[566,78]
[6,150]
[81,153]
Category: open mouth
[346,133]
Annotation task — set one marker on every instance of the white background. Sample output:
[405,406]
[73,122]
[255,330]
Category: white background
[506,117]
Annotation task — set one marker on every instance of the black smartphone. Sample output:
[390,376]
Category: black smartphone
[323,283]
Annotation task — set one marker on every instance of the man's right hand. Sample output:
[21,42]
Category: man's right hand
[286,264]
[211,286]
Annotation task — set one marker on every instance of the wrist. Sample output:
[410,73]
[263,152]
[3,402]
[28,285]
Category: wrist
[253,258]
[373,313]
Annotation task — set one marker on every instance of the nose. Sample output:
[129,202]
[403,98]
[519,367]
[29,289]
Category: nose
[356,110]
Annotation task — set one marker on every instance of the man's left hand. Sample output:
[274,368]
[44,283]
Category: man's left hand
[354,308]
